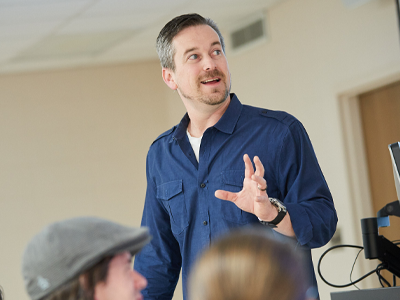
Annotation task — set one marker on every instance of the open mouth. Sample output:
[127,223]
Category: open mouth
[211,81]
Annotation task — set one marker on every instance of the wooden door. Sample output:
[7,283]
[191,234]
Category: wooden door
[380,114]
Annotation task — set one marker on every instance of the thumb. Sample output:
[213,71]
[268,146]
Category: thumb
[225,195]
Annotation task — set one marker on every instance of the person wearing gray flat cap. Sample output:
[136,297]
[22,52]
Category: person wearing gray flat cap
[84,258]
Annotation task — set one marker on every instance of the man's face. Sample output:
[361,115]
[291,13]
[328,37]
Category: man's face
[123,283]
[201,69]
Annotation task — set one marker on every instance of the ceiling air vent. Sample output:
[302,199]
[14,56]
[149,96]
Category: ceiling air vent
[249,34]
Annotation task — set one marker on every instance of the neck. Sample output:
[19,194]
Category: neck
[205,117]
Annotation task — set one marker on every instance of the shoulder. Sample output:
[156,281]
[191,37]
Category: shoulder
[280,117]
[165,135]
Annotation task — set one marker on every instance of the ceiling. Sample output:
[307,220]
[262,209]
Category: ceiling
[49,34]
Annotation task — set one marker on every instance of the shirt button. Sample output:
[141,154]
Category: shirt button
[203,185]
[205,223]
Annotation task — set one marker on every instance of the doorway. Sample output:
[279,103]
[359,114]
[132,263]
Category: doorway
[380,120]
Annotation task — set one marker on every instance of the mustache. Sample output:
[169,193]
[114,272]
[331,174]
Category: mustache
[212,74]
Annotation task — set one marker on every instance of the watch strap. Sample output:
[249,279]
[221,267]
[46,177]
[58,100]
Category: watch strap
[281,213]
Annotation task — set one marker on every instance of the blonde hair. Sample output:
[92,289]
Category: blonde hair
[248,264]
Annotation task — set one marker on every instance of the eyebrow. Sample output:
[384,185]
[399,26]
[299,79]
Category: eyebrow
[195,48]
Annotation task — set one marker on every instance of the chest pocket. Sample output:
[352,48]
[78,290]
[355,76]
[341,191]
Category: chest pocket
[173,199]
[232,181]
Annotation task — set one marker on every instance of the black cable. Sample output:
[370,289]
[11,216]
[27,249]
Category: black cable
[352,268]
[396,242]
[381,267]
[345,285]
[377,270]
[378,273]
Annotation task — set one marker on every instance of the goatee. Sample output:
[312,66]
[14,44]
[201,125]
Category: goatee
[215,98]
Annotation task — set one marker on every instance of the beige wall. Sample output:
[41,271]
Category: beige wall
[73,142]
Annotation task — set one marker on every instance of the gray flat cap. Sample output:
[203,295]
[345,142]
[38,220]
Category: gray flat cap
[68,248]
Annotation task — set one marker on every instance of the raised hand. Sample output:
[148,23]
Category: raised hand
[253,198]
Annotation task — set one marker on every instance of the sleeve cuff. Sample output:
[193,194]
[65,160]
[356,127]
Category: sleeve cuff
[301,224]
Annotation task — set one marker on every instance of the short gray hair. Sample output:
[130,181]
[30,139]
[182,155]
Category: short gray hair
[164,46]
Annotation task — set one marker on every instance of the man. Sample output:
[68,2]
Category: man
[195,166]
[84,258]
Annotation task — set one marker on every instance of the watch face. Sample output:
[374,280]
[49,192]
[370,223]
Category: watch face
[278,204]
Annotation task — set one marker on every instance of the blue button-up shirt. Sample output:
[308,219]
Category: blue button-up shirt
[182,212]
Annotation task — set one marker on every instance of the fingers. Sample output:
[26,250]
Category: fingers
[258,176]
[262,183]
[259,166]
[225,195]
[249,170]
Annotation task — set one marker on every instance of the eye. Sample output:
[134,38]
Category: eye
[193,56]
[217,52]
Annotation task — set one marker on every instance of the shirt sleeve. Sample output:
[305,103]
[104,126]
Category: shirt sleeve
[160,260]
[304,189]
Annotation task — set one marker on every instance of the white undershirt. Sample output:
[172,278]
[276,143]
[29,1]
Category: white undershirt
[195,142]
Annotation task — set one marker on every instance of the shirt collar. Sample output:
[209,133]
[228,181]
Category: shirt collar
[225,124]
[228,121]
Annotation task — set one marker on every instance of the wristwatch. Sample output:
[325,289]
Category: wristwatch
[281,213]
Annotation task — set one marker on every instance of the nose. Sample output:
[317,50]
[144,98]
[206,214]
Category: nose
[209,63]
[139,281]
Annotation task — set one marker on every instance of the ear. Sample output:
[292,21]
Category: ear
[168,77]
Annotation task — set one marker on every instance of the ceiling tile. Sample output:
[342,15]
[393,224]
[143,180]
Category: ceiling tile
[73,45]
[109,7]
[354,3]
[41,12]
[40,34]
[10,49]
[110,23]
[144,41]
[4,3]
[17,31]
